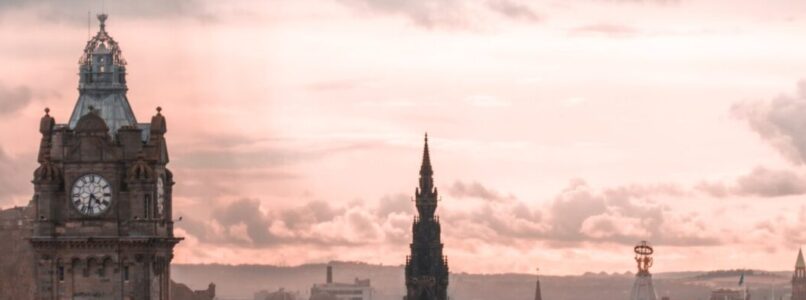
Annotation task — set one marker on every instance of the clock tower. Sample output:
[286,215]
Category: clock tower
[102,192]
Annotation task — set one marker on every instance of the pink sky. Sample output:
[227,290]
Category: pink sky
[562,132]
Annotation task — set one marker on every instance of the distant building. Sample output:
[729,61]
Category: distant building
[643,288]
[359,290]
[426,267]
[280,294]
[799,278]
[730,294]
[183,292]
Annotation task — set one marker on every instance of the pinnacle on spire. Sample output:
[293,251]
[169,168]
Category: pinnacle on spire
[102,18]
[425,168]
[800,264]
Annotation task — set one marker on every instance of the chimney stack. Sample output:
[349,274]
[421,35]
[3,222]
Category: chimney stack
[329,274]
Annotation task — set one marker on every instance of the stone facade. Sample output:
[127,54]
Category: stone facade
[426,267]
[102,225]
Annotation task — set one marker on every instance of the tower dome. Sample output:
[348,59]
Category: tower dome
[102,82]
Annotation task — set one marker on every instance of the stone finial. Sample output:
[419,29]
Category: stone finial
[158,125]
[47,123]
[102,18]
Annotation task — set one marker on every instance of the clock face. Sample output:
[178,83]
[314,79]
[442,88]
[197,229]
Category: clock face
[91,195]
[160,195]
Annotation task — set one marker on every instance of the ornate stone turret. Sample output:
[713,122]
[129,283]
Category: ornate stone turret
[426,267]
[799,278]
[102,82]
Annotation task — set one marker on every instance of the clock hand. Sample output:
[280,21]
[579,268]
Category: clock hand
[92,198]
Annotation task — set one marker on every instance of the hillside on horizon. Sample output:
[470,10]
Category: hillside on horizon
[237,282]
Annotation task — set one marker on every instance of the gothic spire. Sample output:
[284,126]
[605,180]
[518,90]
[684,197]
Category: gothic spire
[425,168]
[800,264]
[426,268]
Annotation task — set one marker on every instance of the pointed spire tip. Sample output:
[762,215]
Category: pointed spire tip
[425,168]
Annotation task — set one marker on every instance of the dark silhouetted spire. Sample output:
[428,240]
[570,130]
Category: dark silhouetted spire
[799,278]
[425,168]
[426,268]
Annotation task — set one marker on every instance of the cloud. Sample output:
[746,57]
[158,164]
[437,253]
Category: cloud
[13,99]
[75,11]
[605,29]
[426,13]
[646,1]
[581,214]
[397,203]
[454,14]
[335,85]
[622,215]
[779,121]
[245,223]
[474,189]
[612,225]
[238,159]
[237,154]
[577,214]
[513,10]
[245,217]
[760,182]
[15,178]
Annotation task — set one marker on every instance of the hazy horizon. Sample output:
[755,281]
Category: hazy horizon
[561,132]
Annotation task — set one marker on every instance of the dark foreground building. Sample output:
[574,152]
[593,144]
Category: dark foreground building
[426,268]
[102,225]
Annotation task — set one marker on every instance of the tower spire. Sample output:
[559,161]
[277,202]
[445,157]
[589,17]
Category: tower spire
[426,268]
[799,278]
[425,168]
